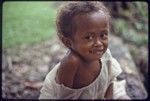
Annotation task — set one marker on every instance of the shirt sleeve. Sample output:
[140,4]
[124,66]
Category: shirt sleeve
[118,86]
[48,90]
[53,90]
[114,69]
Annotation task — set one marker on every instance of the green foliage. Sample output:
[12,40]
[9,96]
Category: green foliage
[123,29]
[27,22]
[140,14]
[132,36]
[135,27]
[140,8]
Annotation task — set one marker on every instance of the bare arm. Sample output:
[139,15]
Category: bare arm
[109,92]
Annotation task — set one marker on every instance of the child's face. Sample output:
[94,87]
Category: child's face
[90,40]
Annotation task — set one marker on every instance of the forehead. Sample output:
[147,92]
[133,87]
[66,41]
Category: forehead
[91,21]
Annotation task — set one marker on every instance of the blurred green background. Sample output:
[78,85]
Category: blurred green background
[130,21]
[32,22]
[27,22]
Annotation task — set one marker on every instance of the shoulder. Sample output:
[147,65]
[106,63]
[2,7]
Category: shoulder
[112,64]
[70,63]
[67,70]
[116,69]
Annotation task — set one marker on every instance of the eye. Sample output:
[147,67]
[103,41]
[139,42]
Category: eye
[103,34]
[89,37]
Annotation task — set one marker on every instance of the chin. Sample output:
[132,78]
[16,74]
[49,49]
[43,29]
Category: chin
[96,58]
[99,57]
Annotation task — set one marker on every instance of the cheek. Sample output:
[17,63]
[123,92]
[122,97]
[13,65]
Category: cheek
[85,47]
[105,44]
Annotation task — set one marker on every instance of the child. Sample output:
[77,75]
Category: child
[88,71]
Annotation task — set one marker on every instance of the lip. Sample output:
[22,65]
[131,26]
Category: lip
[97,51]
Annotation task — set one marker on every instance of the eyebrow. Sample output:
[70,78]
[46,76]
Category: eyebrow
[90,33]
[104,31]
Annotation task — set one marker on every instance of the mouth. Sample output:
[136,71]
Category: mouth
[97,51]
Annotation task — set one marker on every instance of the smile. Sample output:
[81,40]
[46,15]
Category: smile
[97,52]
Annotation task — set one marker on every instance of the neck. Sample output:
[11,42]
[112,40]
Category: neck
[79,56]
[84,61]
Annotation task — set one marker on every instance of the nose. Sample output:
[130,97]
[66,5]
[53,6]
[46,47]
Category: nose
[97,42]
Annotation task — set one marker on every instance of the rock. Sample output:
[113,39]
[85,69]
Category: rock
[135,88]
[33,76]
[46,59]
[121,53]
[30,94]
[43,70]
[140,55]
[34,85]
[20,69]
[55,48]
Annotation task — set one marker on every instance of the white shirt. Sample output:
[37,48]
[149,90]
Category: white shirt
[96,90]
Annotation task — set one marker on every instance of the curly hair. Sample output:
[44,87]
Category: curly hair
[66,13]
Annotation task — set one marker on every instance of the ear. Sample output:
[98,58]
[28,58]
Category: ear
[67,41]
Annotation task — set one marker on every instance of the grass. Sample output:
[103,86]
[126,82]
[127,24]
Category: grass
[27,22]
